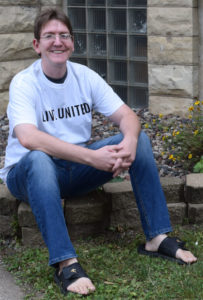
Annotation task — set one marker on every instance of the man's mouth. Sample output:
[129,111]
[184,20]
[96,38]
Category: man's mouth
[57,51]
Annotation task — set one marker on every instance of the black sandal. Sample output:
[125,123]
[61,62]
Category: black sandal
[68,275]
[167,250]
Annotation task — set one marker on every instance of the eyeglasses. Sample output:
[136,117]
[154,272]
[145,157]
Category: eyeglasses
[52,36]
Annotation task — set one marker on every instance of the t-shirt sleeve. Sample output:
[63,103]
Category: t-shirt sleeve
[21,107]
[105,100]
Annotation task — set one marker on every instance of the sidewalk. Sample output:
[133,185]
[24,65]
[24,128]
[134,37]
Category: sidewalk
[8,288]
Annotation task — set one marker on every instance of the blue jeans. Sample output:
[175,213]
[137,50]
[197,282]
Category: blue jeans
[42,181]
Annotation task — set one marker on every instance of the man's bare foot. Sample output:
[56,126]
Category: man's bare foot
[184,255]
[83,285]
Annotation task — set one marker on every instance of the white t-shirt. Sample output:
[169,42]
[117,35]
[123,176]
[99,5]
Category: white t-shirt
[62,110]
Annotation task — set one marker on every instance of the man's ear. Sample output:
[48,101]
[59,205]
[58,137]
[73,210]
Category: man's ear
[36,46]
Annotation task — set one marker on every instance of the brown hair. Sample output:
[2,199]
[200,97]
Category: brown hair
[48,15]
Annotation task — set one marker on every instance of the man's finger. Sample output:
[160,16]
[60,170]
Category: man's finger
[117,164]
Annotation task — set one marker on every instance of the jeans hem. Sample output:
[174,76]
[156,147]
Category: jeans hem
[54,262]
[161,231]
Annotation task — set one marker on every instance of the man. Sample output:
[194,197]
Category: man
[47,157]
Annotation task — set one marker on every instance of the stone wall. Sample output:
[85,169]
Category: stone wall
[113,208]
[16,35]
[200,11]
[173,60]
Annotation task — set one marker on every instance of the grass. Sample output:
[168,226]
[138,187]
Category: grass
[116,269]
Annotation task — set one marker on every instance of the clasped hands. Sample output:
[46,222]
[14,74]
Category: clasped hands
[115,158]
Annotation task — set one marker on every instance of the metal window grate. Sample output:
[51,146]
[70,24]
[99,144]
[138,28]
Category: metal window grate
[111,38]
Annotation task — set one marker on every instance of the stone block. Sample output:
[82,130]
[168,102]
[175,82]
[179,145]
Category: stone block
[173,80]
[172,21]
[8,204]
[173,50]
[21,18]
[177,212]
[6,229]
[121,194]
[173,189]
[169,105]
[19,2]
[124,213]
[52,2]
[91,208]
[25,216]
[9,69]
[194,188]
[117,187]
[16,46]
[195,213]
[172,3]
[81,231]
[126,219]
[4,96]
[31,237]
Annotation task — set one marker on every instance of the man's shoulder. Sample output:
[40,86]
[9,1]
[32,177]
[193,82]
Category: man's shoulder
[76,67]
[27,74]
[82,72]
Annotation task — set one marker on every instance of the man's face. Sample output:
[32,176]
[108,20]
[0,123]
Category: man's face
[55,51]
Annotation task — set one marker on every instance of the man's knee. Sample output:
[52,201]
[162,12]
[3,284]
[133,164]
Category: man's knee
[38,159]
[144,149]
[36,155]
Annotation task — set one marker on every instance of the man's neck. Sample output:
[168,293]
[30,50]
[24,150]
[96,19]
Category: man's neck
[57,80]
[55,71]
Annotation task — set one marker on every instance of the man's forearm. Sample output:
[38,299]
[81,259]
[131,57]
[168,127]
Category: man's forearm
[130,126]
[33,139]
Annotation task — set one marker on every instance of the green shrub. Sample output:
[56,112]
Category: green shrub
[183,141]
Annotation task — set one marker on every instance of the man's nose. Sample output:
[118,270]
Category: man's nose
[57,40]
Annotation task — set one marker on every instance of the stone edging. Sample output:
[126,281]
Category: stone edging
[112,208]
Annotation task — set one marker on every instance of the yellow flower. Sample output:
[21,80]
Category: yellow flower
[197,102]
[163,138]
[190,117]
[176,132]
[146,125]
[171,156]
[191,108]
[190,156]
[196,132]
[160,116]
[154,120]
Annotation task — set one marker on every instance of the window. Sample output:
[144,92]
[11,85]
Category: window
[111,38]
